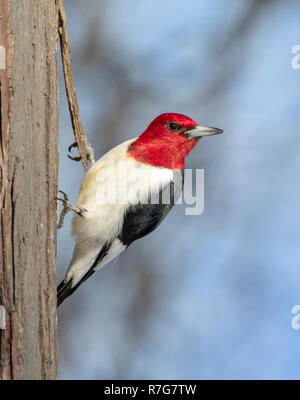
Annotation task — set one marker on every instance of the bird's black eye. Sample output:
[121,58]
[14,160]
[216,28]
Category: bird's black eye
[172,126]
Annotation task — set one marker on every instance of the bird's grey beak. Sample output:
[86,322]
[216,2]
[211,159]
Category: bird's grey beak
[199,131]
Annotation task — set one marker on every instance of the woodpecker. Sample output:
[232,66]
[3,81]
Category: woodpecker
[113,211]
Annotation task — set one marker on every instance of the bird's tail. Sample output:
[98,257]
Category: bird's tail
[64,289]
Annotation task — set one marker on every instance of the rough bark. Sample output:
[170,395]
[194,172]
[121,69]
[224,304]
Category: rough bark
[28,187]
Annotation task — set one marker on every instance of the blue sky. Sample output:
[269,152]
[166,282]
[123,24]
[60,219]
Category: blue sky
[208,296]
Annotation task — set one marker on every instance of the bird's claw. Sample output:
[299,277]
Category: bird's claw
[65,200]
[69,151]
[88,151]
[67,206]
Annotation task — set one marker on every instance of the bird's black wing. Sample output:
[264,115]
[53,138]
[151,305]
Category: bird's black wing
[142,219]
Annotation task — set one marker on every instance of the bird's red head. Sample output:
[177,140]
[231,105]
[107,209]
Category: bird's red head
[168,140]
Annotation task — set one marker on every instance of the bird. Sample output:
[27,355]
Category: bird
[120,198]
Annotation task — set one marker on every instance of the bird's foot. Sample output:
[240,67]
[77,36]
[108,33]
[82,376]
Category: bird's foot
[88,151]
[67,206]
[69,150]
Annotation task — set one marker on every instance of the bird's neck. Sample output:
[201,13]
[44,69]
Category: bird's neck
[167,153]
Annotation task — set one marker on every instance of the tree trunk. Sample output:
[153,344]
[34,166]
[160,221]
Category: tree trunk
[28,187]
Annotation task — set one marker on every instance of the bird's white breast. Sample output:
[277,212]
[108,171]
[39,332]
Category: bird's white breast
[114,183]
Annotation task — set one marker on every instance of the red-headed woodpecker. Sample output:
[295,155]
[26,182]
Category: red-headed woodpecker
[110,214]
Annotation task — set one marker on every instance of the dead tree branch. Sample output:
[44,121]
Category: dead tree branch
[80,138]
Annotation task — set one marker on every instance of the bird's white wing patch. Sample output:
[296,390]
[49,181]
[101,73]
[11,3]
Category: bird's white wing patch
[115,249]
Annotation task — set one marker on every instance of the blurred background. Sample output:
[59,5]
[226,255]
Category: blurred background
[209,296]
